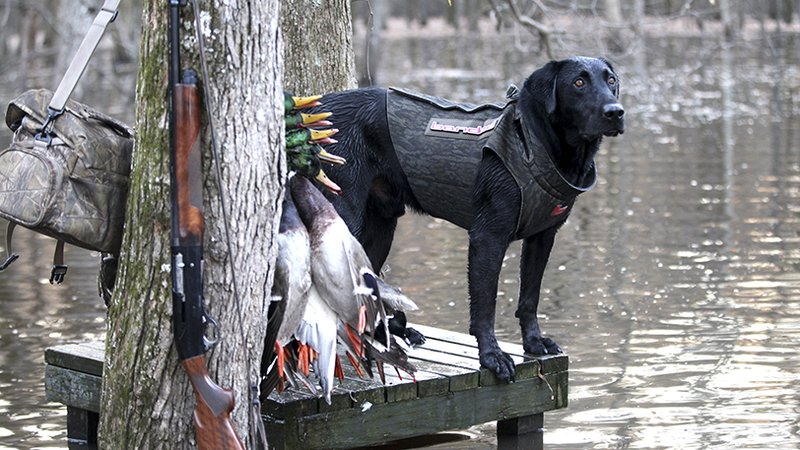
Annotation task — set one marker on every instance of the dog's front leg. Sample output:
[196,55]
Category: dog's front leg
[485,260]
[535,254]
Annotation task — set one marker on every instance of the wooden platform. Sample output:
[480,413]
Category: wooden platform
[451,391]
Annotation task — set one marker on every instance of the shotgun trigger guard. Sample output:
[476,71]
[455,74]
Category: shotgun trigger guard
[209,343]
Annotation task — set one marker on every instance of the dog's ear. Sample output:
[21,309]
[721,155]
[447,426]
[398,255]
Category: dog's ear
[611,68]
[541,85]
[608,63]
[550,79]
[550,100]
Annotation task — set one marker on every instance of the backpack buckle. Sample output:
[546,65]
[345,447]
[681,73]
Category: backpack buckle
[58,273]
[46,135]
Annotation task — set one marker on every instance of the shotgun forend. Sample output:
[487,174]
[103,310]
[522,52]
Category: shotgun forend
[188,156]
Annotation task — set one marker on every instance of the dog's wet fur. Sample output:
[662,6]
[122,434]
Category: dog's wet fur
[571,103]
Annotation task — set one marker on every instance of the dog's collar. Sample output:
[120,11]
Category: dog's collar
[546,196]
[544,169]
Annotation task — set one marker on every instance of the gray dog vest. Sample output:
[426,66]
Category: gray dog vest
[440,144]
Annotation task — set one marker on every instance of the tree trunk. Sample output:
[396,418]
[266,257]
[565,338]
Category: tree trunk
[372,55]
[726,14]
[613,12]
[318,46]
[147,400]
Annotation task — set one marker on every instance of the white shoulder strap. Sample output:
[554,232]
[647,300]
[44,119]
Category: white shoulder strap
[107,14]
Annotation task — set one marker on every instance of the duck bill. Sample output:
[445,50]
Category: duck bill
[330,185]
[317,135]
[324,141]
[318,124]
[330,158]
[309,119]
[306,102]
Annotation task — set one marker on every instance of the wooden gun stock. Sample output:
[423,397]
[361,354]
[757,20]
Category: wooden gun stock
[212,415]
[188,168]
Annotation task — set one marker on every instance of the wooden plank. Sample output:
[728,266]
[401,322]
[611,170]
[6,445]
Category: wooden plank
[441,377]
[401,387]
[550,363]
[467,358]
[76,389]
[468,340]
[431,414]
[450,391]
[85,357]
[456,369]
[290,402]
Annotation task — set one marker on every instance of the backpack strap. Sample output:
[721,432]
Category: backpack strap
[59,268]
[10,255]
[107,14]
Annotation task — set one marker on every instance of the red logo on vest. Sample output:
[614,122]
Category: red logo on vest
[558,210]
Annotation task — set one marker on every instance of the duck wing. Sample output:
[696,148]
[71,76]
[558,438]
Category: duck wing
[365,288]
[292,279]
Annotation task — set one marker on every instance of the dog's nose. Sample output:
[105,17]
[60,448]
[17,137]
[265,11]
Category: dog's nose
[613,111]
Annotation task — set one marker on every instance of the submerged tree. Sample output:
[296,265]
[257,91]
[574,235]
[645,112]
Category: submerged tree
[147,399]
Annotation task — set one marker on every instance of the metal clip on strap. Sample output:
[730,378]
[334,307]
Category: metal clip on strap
[46,133]
[59,269]
[10,255]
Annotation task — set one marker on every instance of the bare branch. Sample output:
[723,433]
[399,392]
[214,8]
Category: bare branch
[535,27]
[529,22]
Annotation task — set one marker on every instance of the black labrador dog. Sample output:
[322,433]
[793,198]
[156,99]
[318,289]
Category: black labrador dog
[505,173]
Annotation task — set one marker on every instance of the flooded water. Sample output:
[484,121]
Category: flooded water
[674,286]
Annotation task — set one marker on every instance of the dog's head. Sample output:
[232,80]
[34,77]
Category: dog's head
[579,95]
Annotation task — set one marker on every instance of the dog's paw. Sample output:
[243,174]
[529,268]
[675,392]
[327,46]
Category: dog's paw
[551,347]
[541,346]
[498,362]
[414,337]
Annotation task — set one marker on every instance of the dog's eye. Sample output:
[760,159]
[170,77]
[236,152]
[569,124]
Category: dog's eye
[579,82]
[612,81]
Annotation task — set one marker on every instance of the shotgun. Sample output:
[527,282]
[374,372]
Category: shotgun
[212,421]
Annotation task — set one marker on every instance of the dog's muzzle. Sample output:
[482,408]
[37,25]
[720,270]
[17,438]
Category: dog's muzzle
[615,114]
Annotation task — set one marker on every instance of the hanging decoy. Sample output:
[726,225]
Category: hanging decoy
[292,269]
[289,291]
[340,269]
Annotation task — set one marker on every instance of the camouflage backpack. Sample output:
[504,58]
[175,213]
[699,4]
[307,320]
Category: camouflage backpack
[66,172]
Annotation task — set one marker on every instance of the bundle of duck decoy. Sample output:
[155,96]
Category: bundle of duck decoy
[327,301]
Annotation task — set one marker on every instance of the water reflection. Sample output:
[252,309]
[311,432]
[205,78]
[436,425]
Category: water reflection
[33,316]
[674,286]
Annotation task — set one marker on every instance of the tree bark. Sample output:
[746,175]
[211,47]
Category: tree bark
[147,399]
[318,46]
